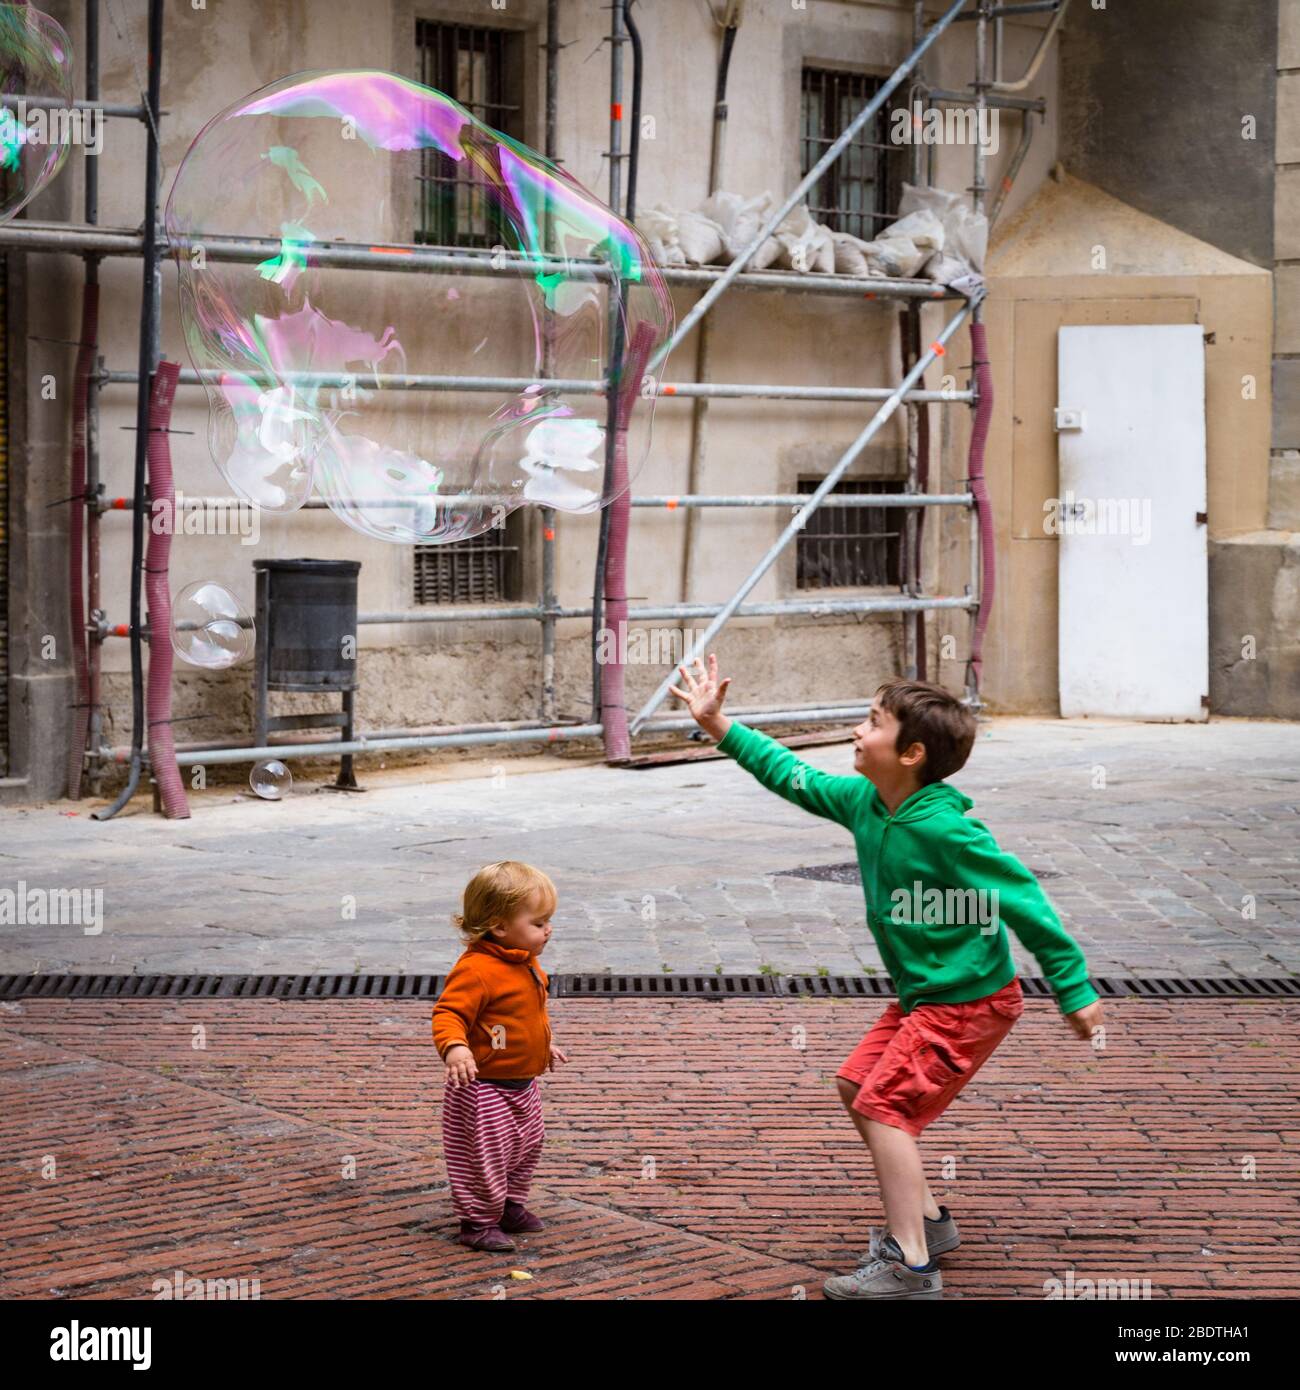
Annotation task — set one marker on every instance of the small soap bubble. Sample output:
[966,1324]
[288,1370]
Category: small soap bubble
[209,627]
[35,61]
[308,365]
[271,780]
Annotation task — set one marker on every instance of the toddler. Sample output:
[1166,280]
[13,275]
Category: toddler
[491,1031]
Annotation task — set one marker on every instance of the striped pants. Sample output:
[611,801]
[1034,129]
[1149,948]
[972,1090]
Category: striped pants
[491,1142]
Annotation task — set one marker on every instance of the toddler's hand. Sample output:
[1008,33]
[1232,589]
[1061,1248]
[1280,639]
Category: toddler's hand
[556,1056]
[704,695]
[461,1067]
[1083,1021]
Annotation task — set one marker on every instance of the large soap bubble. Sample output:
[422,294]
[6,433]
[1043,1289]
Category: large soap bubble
[35,61]
[308,365]
[210,628]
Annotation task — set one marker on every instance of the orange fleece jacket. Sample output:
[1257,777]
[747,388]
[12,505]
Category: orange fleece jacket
[499,987]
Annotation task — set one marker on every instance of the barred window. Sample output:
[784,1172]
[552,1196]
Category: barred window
[483,569]
[859,193]
[481,68]
[845,547]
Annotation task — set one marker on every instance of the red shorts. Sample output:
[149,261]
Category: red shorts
[910,1066]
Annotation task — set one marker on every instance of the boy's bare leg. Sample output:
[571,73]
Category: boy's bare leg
[902,1187]
[848,1092]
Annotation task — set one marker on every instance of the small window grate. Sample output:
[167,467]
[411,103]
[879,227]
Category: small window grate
[859,193]
[482,569]
[480,68]
[845,547]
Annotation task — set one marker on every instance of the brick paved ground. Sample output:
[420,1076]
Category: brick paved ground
[1169,850]
[693,1152]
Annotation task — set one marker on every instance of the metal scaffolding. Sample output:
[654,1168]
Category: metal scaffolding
[94,242]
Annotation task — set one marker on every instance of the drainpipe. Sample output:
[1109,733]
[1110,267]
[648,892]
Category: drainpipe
[918,418]
[982,536]
[1044,44]
[150,296]
[700,406]
[607,704]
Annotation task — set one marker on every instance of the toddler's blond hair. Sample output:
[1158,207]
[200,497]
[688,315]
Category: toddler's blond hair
[496,893]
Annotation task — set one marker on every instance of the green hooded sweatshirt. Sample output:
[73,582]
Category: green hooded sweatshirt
[940,942]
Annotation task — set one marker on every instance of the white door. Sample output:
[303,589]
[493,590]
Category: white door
[1134,615]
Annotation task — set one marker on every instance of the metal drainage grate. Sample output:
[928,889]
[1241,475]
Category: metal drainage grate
[220,986]
[851,873]
[825,873]
[592,986]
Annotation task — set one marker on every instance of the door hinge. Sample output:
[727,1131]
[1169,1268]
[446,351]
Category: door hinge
[1202,518]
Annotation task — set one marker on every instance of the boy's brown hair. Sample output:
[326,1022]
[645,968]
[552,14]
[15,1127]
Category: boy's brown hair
[929,715]
[496,893]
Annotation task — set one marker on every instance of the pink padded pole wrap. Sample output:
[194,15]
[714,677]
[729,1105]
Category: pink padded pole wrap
[613,699]
[162,503]
[979,489]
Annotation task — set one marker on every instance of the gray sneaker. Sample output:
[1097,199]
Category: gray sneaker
[941,1236]
[885,1275]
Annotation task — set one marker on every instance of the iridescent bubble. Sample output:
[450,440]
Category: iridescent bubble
[209,628]
[307,365]
[271,780]
[35,61]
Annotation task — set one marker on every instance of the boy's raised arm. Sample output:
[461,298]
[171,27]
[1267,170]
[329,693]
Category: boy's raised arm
[775,766]
[801,784]
[1025,908]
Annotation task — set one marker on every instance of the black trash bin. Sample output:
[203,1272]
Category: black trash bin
[307,626]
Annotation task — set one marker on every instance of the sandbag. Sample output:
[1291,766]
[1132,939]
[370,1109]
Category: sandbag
[700,238]
[658,225]
[740,220]
[805,244]
[851,254]
[966,232]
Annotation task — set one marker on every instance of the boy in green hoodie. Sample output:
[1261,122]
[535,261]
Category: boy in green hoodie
[939,897]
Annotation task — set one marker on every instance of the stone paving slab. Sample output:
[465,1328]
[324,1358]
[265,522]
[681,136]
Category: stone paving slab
[695,1150]
[1168,850]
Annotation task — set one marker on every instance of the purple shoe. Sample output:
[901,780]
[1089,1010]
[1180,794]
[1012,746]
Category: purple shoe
[484,1237]
[517,1217]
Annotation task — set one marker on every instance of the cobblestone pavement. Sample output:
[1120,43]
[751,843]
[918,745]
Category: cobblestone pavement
[694,1151]
[1168,849]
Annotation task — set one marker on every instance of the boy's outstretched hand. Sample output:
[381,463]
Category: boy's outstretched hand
[1085,1020]
[704,695]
